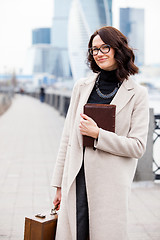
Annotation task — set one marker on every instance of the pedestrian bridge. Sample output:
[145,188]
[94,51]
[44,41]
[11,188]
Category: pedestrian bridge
[30,133]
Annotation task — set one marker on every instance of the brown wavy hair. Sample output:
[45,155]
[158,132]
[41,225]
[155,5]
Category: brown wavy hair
[124,55]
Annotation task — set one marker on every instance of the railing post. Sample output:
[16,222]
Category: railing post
[156,140]
[144,170]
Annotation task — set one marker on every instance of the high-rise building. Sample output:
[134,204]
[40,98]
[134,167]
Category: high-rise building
[132,26]
[40,59]
[85,17]
[144,21]
[40,55]
[41,36]
[73,23]
[59,37]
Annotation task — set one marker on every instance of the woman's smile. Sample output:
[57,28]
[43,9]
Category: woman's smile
[102,59]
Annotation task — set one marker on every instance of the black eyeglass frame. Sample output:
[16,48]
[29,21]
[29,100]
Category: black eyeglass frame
[90,50]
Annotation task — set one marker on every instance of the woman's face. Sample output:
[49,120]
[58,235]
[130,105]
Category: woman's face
[104,61]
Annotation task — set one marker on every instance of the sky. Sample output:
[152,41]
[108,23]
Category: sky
[17,19]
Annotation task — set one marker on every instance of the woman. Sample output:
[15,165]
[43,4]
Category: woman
[93,185]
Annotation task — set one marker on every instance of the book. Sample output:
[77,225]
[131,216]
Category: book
[103,115]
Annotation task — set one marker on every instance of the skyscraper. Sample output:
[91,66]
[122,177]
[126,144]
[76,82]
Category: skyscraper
[40,56]
[144,21]
[41,36]
[59,38]
[132,26]
[41,59]
[85,17]
[73,23]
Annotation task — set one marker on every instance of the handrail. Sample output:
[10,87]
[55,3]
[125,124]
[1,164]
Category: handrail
[156,136]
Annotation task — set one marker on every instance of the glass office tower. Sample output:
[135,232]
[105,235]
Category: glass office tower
[41,36]
[59,38]
[132,26]
[73,23]
[85,17]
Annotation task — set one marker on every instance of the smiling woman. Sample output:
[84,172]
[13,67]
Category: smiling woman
[93,183]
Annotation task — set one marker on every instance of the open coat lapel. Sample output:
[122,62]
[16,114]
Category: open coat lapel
[124,94]
[85,91]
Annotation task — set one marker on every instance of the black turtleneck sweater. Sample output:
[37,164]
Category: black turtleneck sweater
[107,83]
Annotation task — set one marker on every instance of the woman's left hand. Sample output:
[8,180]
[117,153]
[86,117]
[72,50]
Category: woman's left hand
[88,126]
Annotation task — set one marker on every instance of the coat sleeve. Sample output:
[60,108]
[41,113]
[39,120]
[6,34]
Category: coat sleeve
[133,145]
[59,166]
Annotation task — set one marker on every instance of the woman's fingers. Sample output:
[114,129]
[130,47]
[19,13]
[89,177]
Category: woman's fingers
[84,116]
[88,126]
[57,204]
[56,201]
[87,121]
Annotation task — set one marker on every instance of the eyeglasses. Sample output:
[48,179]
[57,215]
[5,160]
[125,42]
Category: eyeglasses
[105,48]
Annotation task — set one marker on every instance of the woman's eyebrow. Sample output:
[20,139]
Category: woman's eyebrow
[99,45]
[96,46]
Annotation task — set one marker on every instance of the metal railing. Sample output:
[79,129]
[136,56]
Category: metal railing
[156,138]
[5,101]
[61,102]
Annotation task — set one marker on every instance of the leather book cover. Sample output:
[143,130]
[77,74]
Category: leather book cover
[103,115]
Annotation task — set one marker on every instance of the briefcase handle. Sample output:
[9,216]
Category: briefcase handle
[53,210]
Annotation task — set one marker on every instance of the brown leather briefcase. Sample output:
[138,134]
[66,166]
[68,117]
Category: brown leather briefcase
[40,228]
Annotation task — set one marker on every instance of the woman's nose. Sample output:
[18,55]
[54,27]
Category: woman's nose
[100,53]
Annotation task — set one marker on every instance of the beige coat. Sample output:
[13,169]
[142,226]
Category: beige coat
[109,169]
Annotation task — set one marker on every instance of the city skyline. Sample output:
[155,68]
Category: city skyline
[52,58]
[18,18]
[72,25]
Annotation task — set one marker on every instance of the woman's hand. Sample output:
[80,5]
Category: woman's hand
[88,126]
[57,199]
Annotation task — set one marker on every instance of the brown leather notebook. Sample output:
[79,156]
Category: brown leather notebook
[103,115]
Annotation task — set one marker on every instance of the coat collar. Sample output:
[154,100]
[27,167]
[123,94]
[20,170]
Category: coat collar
[124,94]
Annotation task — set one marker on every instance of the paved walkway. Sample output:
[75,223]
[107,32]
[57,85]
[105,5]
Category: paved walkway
[29,138]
